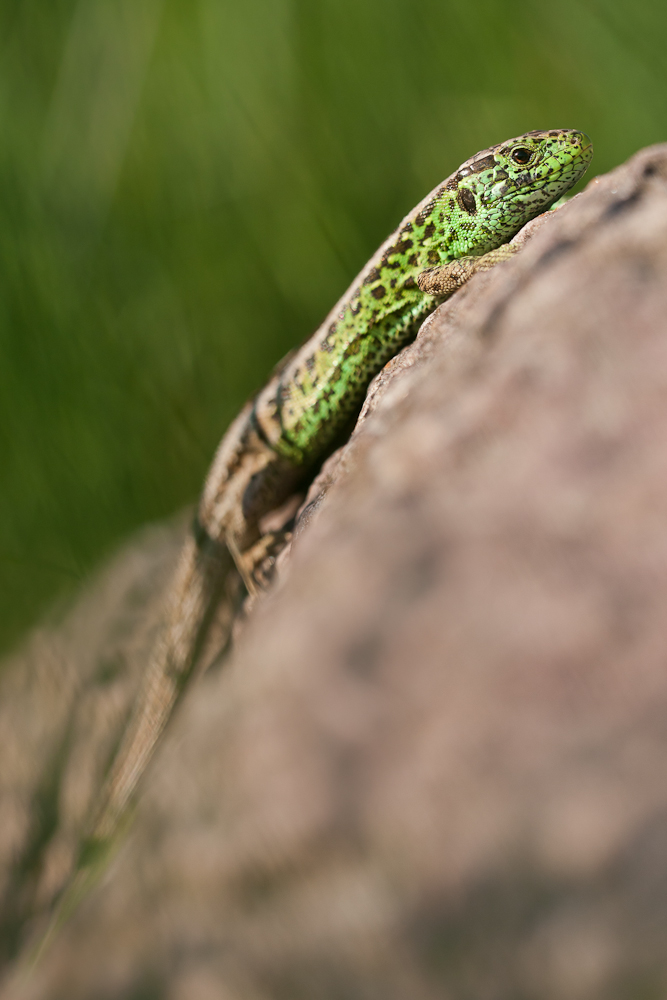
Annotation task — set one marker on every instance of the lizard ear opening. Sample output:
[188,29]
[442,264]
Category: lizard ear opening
[466,200]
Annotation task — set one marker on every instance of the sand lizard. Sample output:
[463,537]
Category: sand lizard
[282,435]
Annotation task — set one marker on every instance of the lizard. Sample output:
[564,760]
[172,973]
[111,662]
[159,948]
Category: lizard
[279,438]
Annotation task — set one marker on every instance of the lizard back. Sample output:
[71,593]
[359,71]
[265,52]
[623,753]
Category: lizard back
[479,207]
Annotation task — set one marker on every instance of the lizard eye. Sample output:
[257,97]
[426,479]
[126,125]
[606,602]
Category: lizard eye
[521,155]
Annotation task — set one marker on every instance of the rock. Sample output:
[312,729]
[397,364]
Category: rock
[65,697]
[435,764]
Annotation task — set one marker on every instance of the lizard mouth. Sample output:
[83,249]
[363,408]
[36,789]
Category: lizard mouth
[584,149]
[567,158]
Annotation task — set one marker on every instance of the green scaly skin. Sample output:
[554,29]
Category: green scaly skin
[294,421]
[480,207]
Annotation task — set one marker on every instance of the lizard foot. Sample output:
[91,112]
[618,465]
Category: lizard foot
[443,280]
[256,564]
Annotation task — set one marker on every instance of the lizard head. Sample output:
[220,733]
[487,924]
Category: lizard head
[513,182]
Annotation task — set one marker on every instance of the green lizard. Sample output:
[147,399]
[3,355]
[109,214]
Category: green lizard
[279,438]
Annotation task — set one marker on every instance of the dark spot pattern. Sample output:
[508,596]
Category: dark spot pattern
[484,163]
[379,292]
[329,342]
[421,218]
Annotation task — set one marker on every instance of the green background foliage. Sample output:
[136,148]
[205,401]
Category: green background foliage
[186,188]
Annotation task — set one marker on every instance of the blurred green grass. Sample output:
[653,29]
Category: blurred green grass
[185,189]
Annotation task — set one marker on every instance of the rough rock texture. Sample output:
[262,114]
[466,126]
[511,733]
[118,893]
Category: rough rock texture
[64,700]
[436,765]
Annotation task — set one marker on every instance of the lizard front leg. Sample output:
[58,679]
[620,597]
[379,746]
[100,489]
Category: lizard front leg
[444,279]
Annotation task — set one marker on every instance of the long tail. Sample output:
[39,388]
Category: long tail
[198,580]
[195,594]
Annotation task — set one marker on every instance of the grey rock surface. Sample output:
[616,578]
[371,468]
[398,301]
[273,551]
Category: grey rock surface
[65,697]
[436,764]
